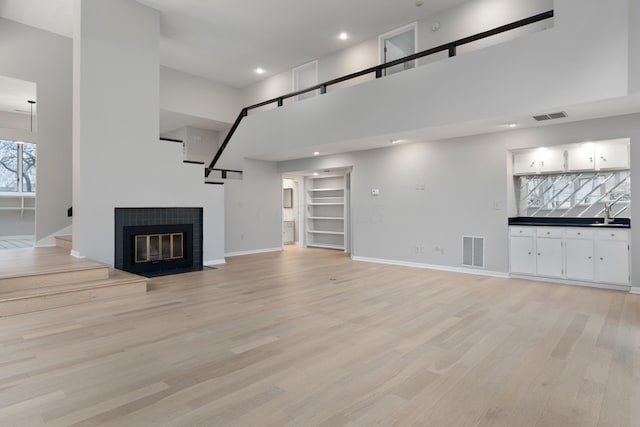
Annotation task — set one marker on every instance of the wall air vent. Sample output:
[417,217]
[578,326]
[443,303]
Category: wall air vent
[473,251]
[551,116]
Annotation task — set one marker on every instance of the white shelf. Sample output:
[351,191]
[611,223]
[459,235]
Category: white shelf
[339,218]
[327,198]
[324,246]
[326,204]
[17,194]
[339,233]
[11,208]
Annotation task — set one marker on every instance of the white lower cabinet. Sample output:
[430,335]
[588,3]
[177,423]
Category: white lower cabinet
[549,256]
[580,257]
[612,264]
[572,253]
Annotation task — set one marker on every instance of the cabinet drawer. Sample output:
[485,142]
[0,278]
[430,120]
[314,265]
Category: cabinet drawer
[579,233]
[521,231]
[555,233]
[612,234]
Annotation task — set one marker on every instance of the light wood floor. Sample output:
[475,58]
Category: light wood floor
[310,338]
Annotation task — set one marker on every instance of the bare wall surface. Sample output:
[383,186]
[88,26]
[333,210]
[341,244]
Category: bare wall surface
[253,209]
[465,191]
[44,58]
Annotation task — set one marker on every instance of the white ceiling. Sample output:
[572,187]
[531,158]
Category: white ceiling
[225,40]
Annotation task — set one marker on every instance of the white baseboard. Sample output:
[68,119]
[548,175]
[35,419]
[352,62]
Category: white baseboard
[433,267]
[624,288]
[214,262]
[50,240]
[635,291]
[76,254]
[253,252]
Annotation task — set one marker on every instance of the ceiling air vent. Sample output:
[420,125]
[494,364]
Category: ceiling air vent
[552,116]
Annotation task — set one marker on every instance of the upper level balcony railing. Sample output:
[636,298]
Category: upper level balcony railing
[378,70]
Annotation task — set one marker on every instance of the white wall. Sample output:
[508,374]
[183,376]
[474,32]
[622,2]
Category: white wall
[465,179]
[196,96]
[634,46]
[44,58]
[253,209]
[461,21]
[16,120]
[201,144]
[118,160]
[567,65]
[17,223]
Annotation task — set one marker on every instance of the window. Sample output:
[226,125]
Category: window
[17,167]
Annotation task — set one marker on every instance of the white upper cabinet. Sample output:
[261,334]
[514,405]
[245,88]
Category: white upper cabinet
[612,154]
[581,157]
[551,160]
[525,163]
[602,155]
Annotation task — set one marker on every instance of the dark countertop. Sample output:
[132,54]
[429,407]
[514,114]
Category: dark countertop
[569,222]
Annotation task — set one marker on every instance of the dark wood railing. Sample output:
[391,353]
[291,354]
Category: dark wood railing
[379,72]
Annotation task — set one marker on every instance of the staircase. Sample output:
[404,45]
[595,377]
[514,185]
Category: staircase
[35,279]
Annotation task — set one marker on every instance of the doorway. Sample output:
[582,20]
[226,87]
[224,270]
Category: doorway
[397,44]
[305,76]
[290,211]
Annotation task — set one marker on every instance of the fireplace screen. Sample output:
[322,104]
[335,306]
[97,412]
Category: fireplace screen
[159,247]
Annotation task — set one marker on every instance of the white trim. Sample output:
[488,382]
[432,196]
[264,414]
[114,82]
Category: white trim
[412,26]
[433,267]
[214,262]
[253,252]
[76,254]
[625,288]
[635,290]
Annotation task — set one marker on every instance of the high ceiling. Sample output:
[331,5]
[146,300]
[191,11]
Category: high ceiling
[226,40]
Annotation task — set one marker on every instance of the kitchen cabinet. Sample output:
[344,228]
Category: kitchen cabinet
[612,155]
[551,160]
[522,254]
[525,163]
[612,256]
[581,254]
[549,252]
[581,157]
[579,249]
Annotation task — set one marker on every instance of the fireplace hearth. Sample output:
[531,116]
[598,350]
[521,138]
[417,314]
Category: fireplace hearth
[158,241]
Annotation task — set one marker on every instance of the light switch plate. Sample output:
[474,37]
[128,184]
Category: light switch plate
[375,192]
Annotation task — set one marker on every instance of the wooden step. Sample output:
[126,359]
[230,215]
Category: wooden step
[31,268]
[64,242]
[119,284]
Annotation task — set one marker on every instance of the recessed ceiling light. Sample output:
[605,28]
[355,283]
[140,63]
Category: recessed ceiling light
[316,153]
[315,174]
[259,70]
[343,36]
[512,125]
[395,141]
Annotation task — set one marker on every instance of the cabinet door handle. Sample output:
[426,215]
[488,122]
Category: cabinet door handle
[613,234]
[589,257]
[601,259]
[529,253]
[579,234]
[538,253]
[548,233]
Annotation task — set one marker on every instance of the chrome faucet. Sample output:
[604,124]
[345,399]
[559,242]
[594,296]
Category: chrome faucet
[607,213]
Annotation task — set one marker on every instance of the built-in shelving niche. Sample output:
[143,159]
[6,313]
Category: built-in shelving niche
[326,212]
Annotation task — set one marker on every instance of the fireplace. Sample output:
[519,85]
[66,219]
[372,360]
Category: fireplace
[158,241]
